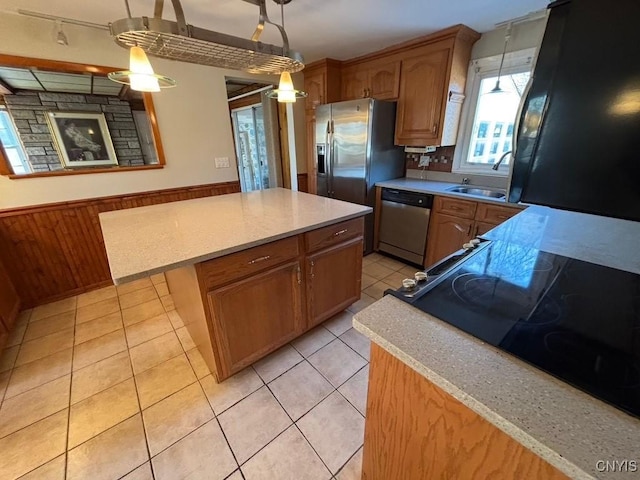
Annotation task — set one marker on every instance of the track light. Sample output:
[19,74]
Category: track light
[61,38]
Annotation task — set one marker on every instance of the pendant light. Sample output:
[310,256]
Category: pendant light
[285,93]
[507,36]
[140,75]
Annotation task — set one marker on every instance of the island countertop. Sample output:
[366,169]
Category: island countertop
[566,427]
[147,240]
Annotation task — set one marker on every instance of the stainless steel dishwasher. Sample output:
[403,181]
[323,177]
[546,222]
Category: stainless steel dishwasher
[404,221]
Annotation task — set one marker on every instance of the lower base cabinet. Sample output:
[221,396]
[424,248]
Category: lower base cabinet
[446,235]
[256,315]
[334,278]
[415,430]
[256,300]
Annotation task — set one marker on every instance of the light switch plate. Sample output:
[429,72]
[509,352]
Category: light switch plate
[222,162]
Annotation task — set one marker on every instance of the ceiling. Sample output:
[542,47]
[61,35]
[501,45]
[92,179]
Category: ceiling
[338,29]
[44,81]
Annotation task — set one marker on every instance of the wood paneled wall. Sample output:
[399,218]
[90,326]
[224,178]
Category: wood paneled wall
[303,182]
[56,250]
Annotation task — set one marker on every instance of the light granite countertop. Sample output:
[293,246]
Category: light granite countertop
[440,188]
[147,240]
[568,428]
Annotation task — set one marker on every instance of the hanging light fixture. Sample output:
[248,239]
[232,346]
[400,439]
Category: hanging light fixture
[140,75]
[61,38]
[285,92]
[507,36]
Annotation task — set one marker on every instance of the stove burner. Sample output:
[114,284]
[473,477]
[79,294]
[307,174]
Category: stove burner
[547,313]
[477,289]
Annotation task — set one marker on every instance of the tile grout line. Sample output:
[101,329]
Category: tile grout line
[294,424]
[13,366]
[135,385]
[73,346]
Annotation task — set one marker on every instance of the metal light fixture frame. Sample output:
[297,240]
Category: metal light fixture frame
[186,43]
[507,36]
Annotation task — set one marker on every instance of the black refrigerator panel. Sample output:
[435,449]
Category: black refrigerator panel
[578,143]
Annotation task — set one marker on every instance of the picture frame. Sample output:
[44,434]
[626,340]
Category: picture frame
[82,139]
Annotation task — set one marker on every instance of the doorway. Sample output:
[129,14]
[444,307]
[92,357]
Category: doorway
[256,134]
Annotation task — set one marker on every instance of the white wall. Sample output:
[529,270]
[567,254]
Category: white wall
[523,35]
[193,118]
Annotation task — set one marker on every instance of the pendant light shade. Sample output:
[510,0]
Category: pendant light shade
[286,93]
[140,75]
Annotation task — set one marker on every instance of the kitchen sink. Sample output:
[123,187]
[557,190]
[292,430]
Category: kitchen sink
[478,191]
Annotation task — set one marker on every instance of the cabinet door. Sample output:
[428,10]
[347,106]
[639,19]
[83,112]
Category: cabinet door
[354,83]
[315,86]
[422,88]
[446,235]
[482,228]
[9,300]
[254,316]
[384,81]
[333,280]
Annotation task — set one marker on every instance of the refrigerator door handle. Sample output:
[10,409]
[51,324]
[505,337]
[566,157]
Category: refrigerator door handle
[516,129]
[328,168]
[516,133]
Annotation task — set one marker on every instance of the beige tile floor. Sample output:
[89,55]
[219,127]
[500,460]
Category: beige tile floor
[108,385]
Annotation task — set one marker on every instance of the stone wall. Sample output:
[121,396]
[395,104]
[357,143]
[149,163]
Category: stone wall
[28,112]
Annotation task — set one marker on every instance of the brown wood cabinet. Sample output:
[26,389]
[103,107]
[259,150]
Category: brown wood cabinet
[455,221]
[415,430]
[432,83]
[380,80]
[333,280]
[9,304]
[446,235]
[256,315]
[242,306]
[422,82]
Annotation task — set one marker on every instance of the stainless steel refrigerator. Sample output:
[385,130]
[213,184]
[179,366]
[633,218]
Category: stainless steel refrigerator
[354,150]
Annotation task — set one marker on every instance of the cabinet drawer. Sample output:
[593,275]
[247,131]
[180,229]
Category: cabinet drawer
[495,214]
[247,262]
[333,234]
[455,207]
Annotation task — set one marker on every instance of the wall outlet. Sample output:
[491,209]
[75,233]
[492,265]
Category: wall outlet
[424,161]
[222,162]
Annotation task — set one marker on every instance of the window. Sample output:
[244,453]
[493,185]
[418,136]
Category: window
[12,146]
[491,116]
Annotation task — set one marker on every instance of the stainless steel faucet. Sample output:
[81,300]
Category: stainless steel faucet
[497,164]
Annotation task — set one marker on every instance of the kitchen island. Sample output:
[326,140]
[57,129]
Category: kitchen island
[444,404]
[248,272]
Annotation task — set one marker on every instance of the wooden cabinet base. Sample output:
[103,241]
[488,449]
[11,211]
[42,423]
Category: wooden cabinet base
[414,430]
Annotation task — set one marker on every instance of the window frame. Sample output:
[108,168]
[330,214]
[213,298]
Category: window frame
[479,69]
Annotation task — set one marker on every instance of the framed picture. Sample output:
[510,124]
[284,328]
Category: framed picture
[82,139]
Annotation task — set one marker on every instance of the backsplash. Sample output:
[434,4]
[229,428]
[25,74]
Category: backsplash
[439,161]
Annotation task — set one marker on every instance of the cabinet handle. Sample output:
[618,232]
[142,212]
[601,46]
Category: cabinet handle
[298,275]
[458,227]
[504,217]
[453,207]
[469,229]
[259,259]
[475,232]
[435,127]
[311,272]
[341,232]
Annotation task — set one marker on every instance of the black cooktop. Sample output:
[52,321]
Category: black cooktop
[575,320]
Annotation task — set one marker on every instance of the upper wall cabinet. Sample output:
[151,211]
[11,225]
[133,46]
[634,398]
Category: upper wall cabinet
[322,83]
[379,80]
[432,83]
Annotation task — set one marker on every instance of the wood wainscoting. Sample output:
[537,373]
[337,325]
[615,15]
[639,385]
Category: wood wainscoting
[56,250]
[303,182]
